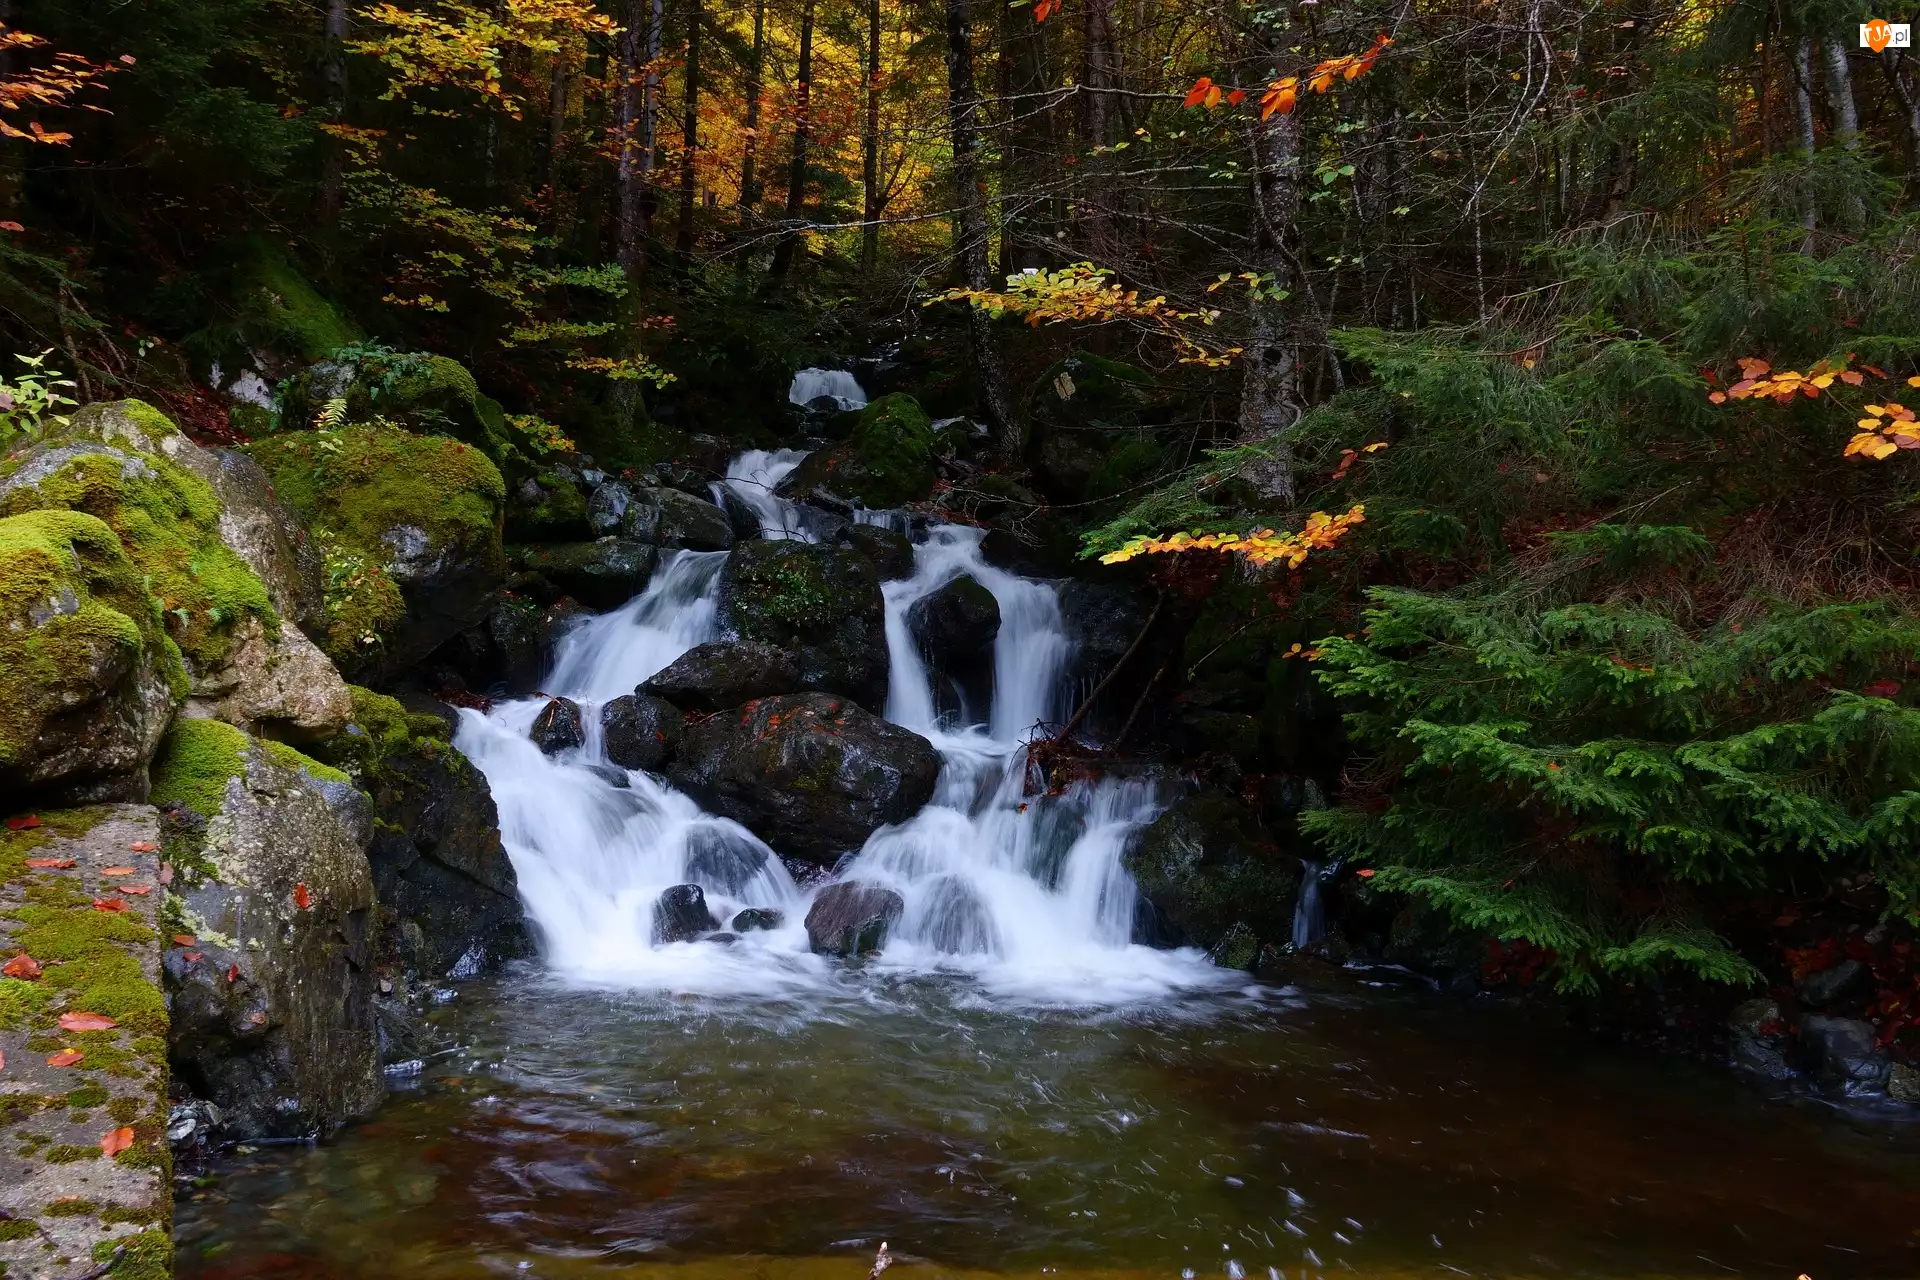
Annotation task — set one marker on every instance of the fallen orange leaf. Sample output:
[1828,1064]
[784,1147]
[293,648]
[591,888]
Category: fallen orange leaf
[21,966]
[86,1022]
[50,864]
[117,1141]
[301,898]
[109,904]
[138,890]
[119,871]
[65,1058]
[185,939]
[27,823]
[142,846]
[193,957]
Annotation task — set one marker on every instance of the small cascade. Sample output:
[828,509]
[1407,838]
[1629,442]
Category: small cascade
[1026,896]
[811,384]
[1309,911]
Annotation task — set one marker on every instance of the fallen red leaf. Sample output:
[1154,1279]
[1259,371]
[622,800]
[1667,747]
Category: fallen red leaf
[142,846]
[3,1062]
[119,871]
[109,904]
[233,973]
[117,1141]
[21,966]
[86,1022]
[193,957]
[26,823]
[50,864]
[301,898]
[65,1058]
[185,939]
[138,890]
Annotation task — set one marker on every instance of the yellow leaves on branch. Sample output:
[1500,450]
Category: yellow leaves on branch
[1884,430]
[48,87]
[1280,97]
[1263,546]
[451,44]
[1083,292]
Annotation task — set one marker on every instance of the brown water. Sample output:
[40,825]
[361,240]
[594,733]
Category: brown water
[1326,1129]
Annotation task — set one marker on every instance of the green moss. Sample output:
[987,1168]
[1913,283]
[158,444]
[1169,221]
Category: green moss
[357,485]
[124,1110]
[72,603]
[281,310]
[20,1001]
[86,961]
[143,1216]
[71,1207]
[887,462]
[17,1229]
[67,1153]
[17,846]
[167,520]
[195,761]
[288,758]
[149,1256]
[87,1095]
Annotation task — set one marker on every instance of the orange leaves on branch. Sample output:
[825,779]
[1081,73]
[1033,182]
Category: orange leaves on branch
[1350,456]
[1045,9]
[451,44]
[1282,95]
[1205,93]
[1885,430]
[1085,293]
[1882,430]
[1261,547]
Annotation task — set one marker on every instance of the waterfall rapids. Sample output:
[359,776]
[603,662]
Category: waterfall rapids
[1025,898]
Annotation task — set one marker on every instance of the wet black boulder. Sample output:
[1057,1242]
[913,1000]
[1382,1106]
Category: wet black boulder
[722,674]
[1206,865]
[955,626]
[604,574]
[890,552]
[852,918]
[681,915]
[811,774]
[558,726]
[821,604]
[753,918]
[641,731]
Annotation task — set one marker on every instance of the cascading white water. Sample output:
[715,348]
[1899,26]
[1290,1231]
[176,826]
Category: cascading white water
[810,384]
[752,479]
[1027,895]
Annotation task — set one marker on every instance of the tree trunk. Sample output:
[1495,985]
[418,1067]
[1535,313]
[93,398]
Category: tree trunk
[748,196]
[870,146]
[970,230]
[1803,112]
[558,198]
[1270,388]
[1898,65]
[650,117]
[690,139]
[333,80]
[802,129]
[629,178]
[1098,66]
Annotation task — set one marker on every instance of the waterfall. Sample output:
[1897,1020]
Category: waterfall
[752,479]
[810,384]
[1025,896]
[1309,913]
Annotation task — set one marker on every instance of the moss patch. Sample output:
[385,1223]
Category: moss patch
[288,758]
[149,1256]
[360,484]
[888,461]
[195,761]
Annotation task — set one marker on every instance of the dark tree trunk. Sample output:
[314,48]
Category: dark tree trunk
[558,197]
[1270,388]
[870,146]
[333,81]
[629,177]
[802,130]
[690,139]
[970,238]
[748,196]
[1099,74]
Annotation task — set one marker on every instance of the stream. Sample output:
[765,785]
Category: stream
[1013,1086]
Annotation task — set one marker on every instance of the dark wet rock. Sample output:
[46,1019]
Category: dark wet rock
[1759,1039]
[722,674]
[611,775]
[558,727]
[1238,948]
[505,653]
[890,552]
[1830,985]
[1083,439]
[723,938]
[681,915]
[955,626]
[1102,619]
[1039,550]
[1207,864]
[1209,730]
[852,918]
[1903,1083]
[821,604]
[548,507]
[886,462]
[603,574]
[1845,1053]
[811,774]
[724,860]
[757,918]
[641,731]
[664,517]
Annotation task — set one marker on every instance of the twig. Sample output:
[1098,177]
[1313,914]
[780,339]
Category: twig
[1113,748]
[881,1261]
[1101,688]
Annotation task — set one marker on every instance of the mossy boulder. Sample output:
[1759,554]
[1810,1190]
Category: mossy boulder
[820,604]
[418,391]
[1207,870]
[887,462]
[272,1005]
[88,675]
[662,516]
[604,574]
[409,527]
[1085,417]
[281,315]
[548,506]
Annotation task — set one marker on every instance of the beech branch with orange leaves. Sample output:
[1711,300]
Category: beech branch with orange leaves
[1883,429]
[1280,96]
[1261,547]
[54,86]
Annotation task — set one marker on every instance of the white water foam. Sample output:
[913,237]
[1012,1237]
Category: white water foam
[1023,896]
[810,384]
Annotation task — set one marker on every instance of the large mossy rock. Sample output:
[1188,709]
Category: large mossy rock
[955,626]
[813,775]
[722,674]
[1207,865]
[821,604]
[423,393]
[449,903]
[549,506]
[410,528]
[273,1002]
[887,462]
[603,574]
[88,677]
[1084,417]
